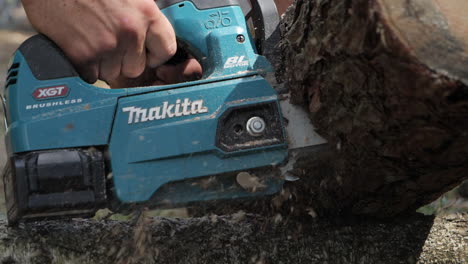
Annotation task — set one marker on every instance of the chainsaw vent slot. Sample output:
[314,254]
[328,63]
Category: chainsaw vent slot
[12,74]
[10,82]
[14,66]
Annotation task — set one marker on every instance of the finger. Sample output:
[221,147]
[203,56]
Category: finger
[134,63]
[88,72]
[110,67]
[160,42]
[147,78]
[169,74]
[190,70]
[133,44]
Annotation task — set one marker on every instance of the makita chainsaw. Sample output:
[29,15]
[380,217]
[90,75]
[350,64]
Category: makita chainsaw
[74,148]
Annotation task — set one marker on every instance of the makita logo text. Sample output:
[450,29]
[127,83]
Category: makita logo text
[50,92]
[236,61]
[166,110]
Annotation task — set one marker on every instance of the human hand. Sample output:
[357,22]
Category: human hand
[106,39]
[188,70]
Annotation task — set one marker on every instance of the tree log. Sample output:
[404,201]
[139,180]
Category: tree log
[238,238]
[391,102]
[386,82]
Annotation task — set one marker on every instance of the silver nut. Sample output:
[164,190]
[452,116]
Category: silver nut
[256,126]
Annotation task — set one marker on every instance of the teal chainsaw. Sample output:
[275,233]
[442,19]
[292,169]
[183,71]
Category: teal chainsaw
[74,148]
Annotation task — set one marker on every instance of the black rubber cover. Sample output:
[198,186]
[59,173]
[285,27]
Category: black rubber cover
[200,4]
[54,184]
[45,59]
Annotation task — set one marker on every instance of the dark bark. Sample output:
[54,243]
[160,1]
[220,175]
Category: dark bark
[238,238]
[386,83]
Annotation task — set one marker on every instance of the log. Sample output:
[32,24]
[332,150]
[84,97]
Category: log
[394,120]
[238,238]
[386,83]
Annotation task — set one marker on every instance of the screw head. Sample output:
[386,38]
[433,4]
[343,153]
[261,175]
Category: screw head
[256,126]
[240,38]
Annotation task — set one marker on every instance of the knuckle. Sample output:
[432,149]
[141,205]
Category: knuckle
[166,52]
[129,25]
[106,44]
[81,55]
[133,30]
[148,8]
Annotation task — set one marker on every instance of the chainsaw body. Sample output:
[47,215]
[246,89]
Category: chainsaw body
[74,148]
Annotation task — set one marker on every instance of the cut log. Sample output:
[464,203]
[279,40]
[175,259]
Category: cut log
[237,239]
[386,82]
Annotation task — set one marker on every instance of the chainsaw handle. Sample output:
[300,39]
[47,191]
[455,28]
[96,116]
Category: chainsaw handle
[45,59]
[216,34]
[264,14]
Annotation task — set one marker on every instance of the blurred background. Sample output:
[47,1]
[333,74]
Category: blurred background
[15,28]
